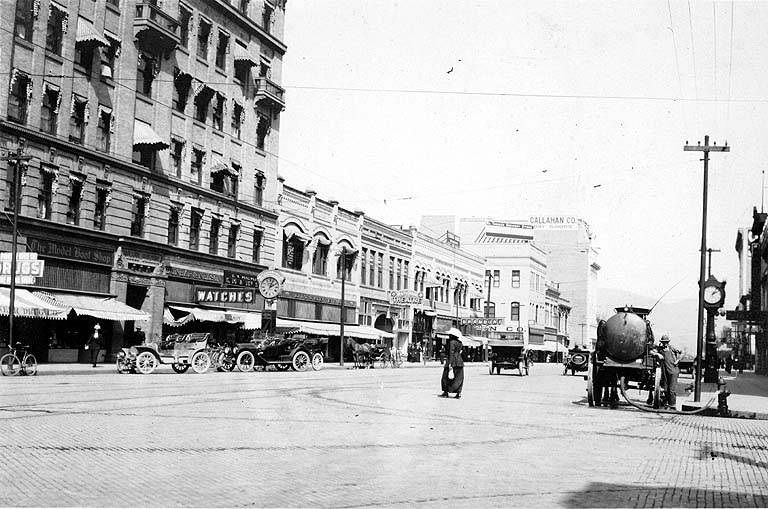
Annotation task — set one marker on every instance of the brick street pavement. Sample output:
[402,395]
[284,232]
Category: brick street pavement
[343,438]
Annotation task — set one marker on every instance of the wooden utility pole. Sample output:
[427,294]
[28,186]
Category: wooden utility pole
[341,320]
[16,160]
[706,148]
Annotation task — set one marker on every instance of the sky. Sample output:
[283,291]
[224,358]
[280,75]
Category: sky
[506,109]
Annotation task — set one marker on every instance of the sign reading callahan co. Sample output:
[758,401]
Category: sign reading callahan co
[206,295]
[554,222]
[404,297]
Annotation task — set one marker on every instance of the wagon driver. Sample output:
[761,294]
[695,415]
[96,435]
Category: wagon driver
[669,357]
[453,371]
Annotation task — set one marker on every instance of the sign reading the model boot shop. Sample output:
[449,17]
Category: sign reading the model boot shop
[28,268]
[55,249]
[405,297]
[213,295]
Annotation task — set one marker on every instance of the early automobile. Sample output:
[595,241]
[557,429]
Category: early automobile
[509,354]
[576,360]
[296,351]
[687,363]
[181,351]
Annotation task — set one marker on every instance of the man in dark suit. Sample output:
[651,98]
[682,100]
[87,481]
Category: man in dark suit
[94,344]
[453,372]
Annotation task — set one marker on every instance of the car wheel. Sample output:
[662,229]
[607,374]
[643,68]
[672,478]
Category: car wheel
[180,368]
[146,363]
[300,361]
[317,361]
[201,361]
[245,361]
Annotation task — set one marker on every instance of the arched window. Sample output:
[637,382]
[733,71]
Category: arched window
[514,312]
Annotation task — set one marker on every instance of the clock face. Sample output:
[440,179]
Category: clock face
[712,294]
[269,287]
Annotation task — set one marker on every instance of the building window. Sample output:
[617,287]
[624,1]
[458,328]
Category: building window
[203,34]
[320,260]
[293,252]
[213,244]
[399,274]
[202,101]
[138,215]
[84,57]
[184,18]
[75,198]
[24,19]
[218,112]
[347,262]
[225,182]
[380,268]
[45,195]
[115,3]
[262,131]
[106,127]
[515,279]
[490,310]
[496,278]
[49,113]
[57,20]
[258,189]
[242,6]
[363,266]
[266,17]
[78,119]
[182,82]
[237,120]
[108,56]
[145,156]
[196,166]
[257,236]
[514,312]
[102,202]
[195,218]
[19,98]
[487,278]
[405,274]
[234,232]
[148,66]
[173,226]
[177,151]
[372,269]
[222,47]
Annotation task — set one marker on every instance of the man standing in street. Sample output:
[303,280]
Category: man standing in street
[453,372]
[668,356]
[94,344]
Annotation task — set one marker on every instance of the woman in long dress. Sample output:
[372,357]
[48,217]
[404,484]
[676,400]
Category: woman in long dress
[453,364]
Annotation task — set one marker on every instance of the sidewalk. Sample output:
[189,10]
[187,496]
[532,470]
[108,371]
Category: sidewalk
[748,399]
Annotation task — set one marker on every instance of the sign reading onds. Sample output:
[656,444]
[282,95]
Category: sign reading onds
[212,295]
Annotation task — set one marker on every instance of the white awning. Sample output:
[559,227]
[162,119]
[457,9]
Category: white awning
[87,35]
[249,319]
[29,305]
[548,346]
[474,293]
[366,332]
[291,230]
[243,57]
[473,340]
[431,281]
[143,134]
[318,328]
[105,308]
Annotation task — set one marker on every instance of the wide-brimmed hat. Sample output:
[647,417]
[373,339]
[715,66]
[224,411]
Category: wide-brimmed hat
[453,331]
[664,339]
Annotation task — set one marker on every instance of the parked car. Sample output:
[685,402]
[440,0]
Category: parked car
[298,352]
[687,363]
[181,351]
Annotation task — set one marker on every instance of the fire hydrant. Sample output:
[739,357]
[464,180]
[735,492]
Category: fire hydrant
[722,399]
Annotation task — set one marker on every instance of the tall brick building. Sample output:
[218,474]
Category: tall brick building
[153,129]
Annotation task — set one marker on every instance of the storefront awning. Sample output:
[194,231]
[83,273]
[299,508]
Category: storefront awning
[548,346]
[144,135]
[366,332]
[431,281]
[29,305]
[87,35]
[243,57]
[473,340]
[105,308]
[319,328]
[249,319]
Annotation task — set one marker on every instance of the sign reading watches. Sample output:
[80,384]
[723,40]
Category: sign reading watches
[225,295]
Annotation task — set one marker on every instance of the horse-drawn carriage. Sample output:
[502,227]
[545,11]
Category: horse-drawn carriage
[509,354]
[623,358]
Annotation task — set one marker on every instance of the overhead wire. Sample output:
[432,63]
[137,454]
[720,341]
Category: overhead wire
[693,51]
[714,59]
[730,68]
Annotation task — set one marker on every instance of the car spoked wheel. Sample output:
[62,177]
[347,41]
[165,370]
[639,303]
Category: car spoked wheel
[245,361]
[145,363]
[300,361]
[317,361]
[201,361]
[180,368]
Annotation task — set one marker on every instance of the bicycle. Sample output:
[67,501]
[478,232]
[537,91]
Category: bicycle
[10,364]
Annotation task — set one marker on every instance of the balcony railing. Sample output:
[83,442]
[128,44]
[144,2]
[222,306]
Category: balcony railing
[155,28]
[267,89]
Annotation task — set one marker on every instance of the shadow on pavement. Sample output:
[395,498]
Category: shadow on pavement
[623,495]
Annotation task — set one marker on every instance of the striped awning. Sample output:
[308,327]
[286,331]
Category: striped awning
[218,166]
[105,308]
[144,135]
[87,35]
[367,332]
[248,319]
[29,305]
[243,57]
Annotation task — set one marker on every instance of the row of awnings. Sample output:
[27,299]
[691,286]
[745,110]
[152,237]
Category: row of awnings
[58,306]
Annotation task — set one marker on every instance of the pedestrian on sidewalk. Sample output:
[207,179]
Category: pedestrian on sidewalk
[453,371]
[669,357]
[94,344]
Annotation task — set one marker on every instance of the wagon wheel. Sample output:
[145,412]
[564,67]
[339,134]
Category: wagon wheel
[317,361]
[201,361]
[657,388]
[490,368]
[300,361]
[245,361]
[591,387]
[180,368]
[146,363]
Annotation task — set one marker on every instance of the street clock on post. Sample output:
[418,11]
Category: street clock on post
[270,284]
[714,293]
